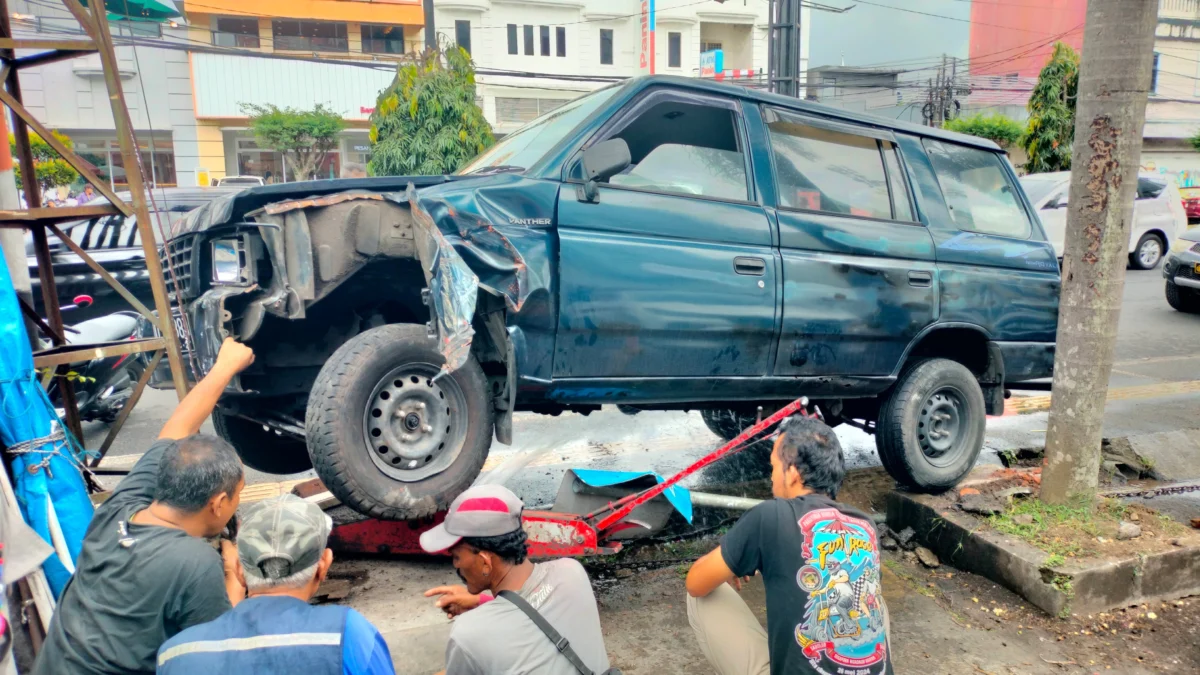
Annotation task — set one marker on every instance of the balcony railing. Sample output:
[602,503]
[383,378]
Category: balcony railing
[300,43]
[1179,9]
[240,40]
[375,46]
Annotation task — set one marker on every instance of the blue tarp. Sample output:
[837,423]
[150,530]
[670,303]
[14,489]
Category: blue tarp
[678,495]
[49,483]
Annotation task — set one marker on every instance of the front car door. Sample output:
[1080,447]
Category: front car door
[859,277]
[672,273]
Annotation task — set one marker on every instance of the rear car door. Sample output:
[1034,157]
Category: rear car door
[672,272]
[859,273]
[997,271]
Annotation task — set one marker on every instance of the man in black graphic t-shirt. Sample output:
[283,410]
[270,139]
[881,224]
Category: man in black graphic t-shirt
[820,563]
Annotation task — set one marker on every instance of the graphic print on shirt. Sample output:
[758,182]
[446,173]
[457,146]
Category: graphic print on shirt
[843,628]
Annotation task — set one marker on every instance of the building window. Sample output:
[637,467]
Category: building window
[309,36]
[709,46]
[521,110]
[512,38]
[674,51]
[462,34]
[528,30]
[255,161]
[1154,75]
[544,32]
[158,160]
[560,35]
[236,33]
[606,46]
[382,39]
[136,28]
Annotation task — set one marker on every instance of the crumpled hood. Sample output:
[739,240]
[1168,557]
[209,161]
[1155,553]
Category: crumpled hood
[234,207]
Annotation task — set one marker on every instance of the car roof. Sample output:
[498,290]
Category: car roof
[810,107]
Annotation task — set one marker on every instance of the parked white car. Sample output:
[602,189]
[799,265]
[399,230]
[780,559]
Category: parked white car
[1158,215]
[230,181]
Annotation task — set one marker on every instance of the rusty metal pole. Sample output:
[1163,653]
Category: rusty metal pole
[137,189]
[41,246]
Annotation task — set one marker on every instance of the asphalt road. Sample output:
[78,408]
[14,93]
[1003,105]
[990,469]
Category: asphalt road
[1157,362]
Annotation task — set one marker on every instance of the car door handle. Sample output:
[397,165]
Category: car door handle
[920,279]
[755,267]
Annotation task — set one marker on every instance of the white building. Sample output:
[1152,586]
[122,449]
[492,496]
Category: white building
[187,102]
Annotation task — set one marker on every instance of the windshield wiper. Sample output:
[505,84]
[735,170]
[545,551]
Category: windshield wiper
[498,168]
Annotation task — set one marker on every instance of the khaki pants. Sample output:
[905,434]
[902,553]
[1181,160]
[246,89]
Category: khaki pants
[730,636]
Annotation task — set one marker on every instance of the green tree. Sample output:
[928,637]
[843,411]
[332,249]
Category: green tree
[1051,128]
[1195,141]
[49,167]
[426,122]
[305,136]
[1002,130]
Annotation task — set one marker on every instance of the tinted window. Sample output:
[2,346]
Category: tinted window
[528,30]
[560,34]
[606,46]
[1148,188]
[687,148]
[823,170]
[674,49]
[512,38]
[232,32]
[544,33]
[462,34]
[977,190]
[902,206]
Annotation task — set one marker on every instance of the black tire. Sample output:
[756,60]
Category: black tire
[260,448]
[939,396]
[726,423]
[1183,299]
[1135,258]
[374,479]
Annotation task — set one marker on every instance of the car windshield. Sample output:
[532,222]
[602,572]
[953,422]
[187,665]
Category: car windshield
[526,145]
[1037,188]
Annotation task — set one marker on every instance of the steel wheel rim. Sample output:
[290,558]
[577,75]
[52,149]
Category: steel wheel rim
[1149,252]
[942,426]
[414,427]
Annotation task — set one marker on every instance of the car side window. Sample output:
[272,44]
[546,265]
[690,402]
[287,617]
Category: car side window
[1148,188]
[820,169]
[978,191]
[684,147]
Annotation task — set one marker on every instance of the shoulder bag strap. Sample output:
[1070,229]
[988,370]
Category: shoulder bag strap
[560,642]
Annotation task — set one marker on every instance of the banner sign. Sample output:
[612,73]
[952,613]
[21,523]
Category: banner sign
[646,60]
[712,62]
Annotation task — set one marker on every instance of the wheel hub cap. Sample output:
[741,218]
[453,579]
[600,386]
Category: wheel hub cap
[1149,252]
[411,426]
[940,426]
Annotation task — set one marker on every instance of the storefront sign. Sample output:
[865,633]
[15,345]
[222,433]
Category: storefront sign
[363,110]
[647,23]
[711,63]
[362,148]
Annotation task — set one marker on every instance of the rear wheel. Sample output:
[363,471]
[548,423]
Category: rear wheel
[1147,253]
[1183,299]
[261,448]
[931,427]
[385,436]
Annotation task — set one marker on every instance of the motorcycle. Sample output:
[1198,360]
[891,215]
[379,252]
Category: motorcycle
[102,386]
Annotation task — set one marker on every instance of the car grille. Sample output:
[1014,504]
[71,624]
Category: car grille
[1187,272]
[179,266]
[1196,247]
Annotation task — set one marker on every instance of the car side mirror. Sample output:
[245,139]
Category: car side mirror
[601,162]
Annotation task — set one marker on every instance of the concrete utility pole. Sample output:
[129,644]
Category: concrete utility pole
[430,29]
[1114,82]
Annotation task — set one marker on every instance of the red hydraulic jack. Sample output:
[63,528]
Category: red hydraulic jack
[551,534]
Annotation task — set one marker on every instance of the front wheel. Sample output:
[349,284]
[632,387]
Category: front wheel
[390,438]
[1148,252]
[931,427]
[1183,299]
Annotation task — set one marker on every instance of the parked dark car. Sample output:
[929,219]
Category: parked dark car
[664,243]
[1182,272]
[114,242]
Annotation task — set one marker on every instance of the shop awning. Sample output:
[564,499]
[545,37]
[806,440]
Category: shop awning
[395,12]
[154,10]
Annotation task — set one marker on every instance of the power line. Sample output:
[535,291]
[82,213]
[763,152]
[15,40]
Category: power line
[943,16]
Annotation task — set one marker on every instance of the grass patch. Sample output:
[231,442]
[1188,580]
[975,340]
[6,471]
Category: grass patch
[1034,521]
[1055,560]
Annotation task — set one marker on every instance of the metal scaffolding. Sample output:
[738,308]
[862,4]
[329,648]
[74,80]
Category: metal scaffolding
[43,221]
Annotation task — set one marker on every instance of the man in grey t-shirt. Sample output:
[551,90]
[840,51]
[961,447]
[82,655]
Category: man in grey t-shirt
[483,534]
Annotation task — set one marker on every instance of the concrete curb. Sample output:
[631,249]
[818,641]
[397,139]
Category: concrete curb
[1076,587]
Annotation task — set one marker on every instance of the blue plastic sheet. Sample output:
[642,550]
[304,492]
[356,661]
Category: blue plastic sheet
[49,483]
[679,496]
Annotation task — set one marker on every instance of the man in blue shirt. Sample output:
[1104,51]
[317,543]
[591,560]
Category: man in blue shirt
[274,631]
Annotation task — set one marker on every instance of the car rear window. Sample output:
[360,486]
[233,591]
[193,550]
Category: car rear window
[822,169]
[1148,188]
[978,191]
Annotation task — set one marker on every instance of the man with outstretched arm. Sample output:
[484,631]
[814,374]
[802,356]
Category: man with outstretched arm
[145,571]
[820,563]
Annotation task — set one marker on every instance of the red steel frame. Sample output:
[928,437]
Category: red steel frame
[551,534]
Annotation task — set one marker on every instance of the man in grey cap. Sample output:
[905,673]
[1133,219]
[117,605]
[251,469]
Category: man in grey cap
[487,545]
[281,547]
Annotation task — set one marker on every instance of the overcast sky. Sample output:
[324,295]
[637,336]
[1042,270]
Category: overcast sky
[869,35]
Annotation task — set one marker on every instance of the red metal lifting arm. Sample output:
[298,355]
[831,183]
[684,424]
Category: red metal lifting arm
[624,506]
